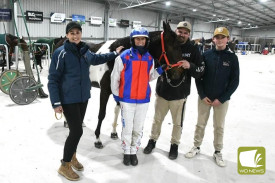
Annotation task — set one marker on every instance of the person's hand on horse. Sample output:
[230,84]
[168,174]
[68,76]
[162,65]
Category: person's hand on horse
[184,63]
[58,109]
[118,49]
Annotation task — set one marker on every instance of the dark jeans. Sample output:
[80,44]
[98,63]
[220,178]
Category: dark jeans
[74,114]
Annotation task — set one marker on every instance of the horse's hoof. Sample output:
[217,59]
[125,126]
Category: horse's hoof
[98,145]
[114,136]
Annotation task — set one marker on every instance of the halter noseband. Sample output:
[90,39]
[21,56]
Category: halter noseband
[163,54]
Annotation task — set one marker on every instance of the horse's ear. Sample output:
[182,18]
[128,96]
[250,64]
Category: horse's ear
[166,27]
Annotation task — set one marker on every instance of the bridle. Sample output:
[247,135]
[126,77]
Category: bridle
[163,54]
[169,66]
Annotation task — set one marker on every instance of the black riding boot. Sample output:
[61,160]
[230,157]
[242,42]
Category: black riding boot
[134,160]
[173,154]
[126,159]
[150,146]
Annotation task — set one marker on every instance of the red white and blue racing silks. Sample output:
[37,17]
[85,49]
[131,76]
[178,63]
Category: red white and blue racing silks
[131,75]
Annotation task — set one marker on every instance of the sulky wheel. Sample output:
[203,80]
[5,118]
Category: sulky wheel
[23,91]
[7,78]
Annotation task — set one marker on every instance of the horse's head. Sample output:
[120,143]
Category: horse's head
[58,42]
[22,43]
[14,41]
[171,49]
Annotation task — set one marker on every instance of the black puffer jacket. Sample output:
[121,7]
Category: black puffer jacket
[221,77]
[166,91]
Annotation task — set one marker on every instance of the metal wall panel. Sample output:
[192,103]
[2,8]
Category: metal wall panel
[87,8]
[47,29]
[148,19]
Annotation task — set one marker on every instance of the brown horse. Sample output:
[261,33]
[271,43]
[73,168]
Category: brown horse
[11,41]
[42,49]
[59,43]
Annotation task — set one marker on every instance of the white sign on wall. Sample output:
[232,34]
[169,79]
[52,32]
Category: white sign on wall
[58,17]
[112,22]
[96,20]
[136,24]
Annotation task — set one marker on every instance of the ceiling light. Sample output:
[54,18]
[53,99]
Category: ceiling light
[168,3]
[250,27]
[194,10]
[263,1]
[218,20]
[248,24]
[214,15]
[239,22]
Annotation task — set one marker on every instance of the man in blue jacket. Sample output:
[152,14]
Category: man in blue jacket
[69,86]
[219,82]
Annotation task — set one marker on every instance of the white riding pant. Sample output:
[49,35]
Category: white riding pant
[132,117]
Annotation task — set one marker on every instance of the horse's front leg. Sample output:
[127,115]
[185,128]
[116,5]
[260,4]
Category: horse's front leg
[114,132]
[105,92]
[10,58]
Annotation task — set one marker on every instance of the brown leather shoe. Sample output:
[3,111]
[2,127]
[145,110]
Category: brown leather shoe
[75,163]
[67,171]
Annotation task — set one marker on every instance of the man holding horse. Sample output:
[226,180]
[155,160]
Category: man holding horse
[171,96]
[219,82]
[69,88]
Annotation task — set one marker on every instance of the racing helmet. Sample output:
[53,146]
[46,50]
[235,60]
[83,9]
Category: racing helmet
[139,32]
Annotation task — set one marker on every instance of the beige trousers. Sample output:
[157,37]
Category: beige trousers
[219,114]
[177,109]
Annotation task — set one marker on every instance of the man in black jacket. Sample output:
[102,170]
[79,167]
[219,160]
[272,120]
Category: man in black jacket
[172,95]
[219,82]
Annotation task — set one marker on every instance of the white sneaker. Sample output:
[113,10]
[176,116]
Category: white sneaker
[193,152]
[218,158]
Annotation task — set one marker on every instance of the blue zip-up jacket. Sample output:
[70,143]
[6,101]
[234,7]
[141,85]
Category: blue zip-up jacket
[69,73]
[221,75]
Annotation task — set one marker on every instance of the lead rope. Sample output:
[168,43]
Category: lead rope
[169,81]
[56,117]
